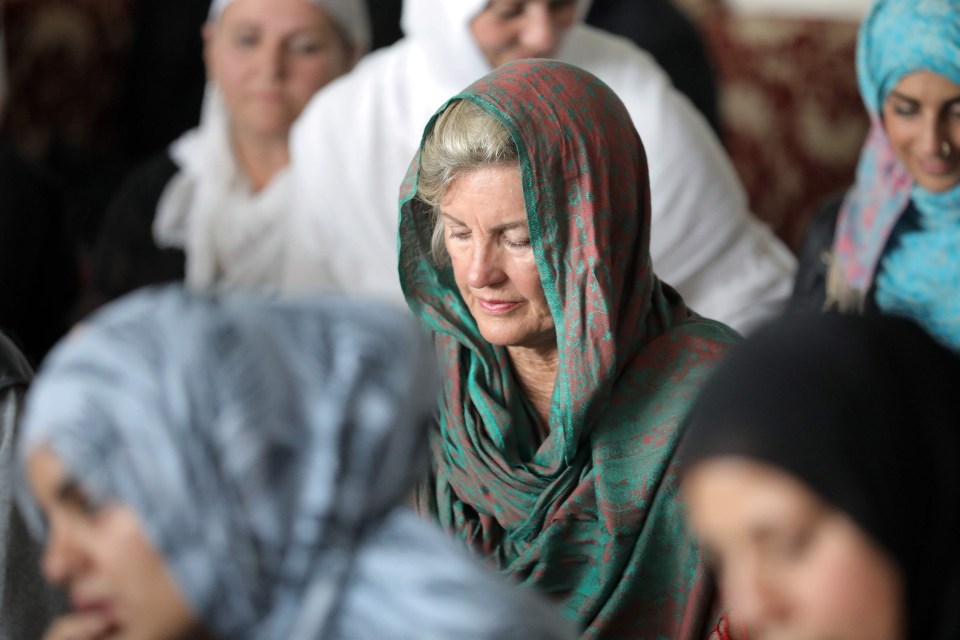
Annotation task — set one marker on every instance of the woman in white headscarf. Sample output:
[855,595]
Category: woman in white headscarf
[238,467]
[351,149]
[213,209]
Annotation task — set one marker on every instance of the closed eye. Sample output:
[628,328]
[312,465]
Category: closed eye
[522,244]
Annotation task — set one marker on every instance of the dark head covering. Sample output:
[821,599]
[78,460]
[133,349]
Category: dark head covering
[589,515]
[864,410]
[266,448]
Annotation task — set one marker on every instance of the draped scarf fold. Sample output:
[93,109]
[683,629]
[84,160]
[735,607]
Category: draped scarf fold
[589,515]
[897,38]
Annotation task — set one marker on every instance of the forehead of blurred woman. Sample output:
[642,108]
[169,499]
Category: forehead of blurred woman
[899,37]
[351,17]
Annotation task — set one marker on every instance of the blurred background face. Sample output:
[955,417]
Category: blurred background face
[269,57]
[486,235]
[921,116]
[790,567]
[508,30]
[117,583]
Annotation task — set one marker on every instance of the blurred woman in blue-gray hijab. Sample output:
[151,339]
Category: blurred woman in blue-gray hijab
[233,467]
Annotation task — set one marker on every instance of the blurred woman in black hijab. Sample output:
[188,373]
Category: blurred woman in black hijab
[823,473]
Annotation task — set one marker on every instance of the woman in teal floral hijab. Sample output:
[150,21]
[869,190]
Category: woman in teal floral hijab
[568,366]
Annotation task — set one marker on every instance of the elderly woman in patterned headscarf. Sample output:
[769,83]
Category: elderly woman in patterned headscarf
[567,364]
[897,233]
[213,208]
[236,468]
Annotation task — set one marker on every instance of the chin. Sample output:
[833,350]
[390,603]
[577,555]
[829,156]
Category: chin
[500,338]
[938,186]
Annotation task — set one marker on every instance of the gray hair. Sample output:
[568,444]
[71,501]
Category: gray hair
[463,139]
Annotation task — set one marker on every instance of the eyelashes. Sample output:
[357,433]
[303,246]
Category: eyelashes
[513,244]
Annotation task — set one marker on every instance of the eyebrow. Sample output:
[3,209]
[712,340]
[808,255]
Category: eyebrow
[896,94]
[506,226]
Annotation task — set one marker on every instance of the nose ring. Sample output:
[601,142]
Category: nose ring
[945,149]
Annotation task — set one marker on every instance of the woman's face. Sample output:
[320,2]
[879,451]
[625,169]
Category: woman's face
[921,116]
[508,30]
[118,585]
[269,57]
[486,235]
[790,566]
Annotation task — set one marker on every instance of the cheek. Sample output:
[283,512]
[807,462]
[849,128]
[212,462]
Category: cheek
[953,131]
[126,554]
[491,35]
[850,590]
[459,261]
[526,278]
[564,20]
[899,133]
[309,76]
[229,68]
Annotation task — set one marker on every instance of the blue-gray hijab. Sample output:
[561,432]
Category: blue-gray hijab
[268,448]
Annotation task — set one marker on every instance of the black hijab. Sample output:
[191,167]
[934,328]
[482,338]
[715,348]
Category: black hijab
[866,412]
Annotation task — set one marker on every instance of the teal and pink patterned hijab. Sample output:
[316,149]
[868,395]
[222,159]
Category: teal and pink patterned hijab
[897,38]
[590,515]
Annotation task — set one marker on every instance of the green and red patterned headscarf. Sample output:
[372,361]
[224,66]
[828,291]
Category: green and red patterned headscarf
[590,515]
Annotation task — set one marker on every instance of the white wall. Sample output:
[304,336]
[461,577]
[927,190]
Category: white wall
[829,9]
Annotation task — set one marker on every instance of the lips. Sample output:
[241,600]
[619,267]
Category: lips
[497,307]
[937,167]
[83,605]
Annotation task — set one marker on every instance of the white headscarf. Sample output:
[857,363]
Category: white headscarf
[351,148]
[233,237]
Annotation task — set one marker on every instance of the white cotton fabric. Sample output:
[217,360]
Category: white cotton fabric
[351,148]
[234,237]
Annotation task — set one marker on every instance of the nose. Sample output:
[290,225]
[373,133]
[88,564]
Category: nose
[273,60]
[540,31]
[59,557]
[932,137]
[485,269]
[750,595]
